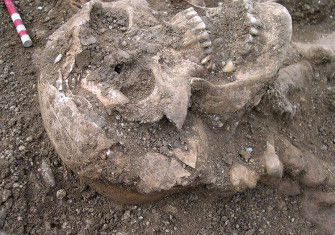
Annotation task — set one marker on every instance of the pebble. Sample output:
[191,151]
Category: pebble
[249,150]
[324,148]
[58,58]
[126,215]
[1,62]
[47,174]
[5,195]
[22,148]
[104,227]
[245,155]
[61,194]
[3,215]
[16,185]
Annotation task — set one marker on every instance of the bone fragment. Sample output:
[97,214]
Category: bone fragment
[273,165]
[242,178]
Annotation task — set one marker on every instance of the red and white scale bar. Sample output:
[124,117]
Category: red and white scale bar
[20,28]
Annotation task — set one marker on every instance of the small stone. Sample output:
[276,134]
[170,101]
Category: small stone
[3,215]
[324,148]
[1,62]
[104,227]
[39,8]
[58,58]
[245,155]
[5,195]
[126,215]
[61,194]
[47,174]
[229,67]
[29,139]
[249,150]
[22,148]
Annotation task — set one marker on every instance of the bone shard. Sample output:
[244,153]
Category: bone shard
[273,165]
[242,178]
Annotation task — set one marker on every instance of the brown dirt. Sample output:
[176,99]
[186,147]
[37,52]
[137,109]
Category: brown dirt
[29,206]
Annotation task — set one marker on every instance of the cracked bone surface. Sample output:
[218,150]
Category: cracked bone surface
[125,94]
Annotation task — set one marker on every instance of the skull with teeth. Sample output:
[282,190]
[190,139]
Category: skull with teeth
[114,71]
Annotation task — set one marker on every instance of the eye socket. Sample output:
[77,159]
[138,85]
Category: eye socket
[118,68]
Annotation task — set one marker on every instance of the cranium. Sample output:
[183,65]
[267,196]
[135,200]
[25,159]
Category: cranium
[114,71]
[93,98]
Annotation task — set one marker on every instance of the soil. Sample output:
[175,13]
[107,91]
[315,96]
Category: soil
[30,205]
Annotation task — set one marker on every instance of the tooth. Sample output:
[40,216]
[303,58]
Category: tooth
[229,67]
[203,36]
[206,59]
[191,14]
[211,66]
[197,20]
[254,31]
[199,26]
[212,12]
[189,9]
[249,7]
[190,41]
[207,44]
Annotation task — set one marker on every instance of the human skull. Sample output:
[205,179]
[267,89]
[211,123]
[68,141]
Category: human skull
[114,71]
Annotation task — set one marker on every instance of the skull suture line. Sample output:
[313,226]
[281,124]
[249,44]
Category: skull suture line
[119,70]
